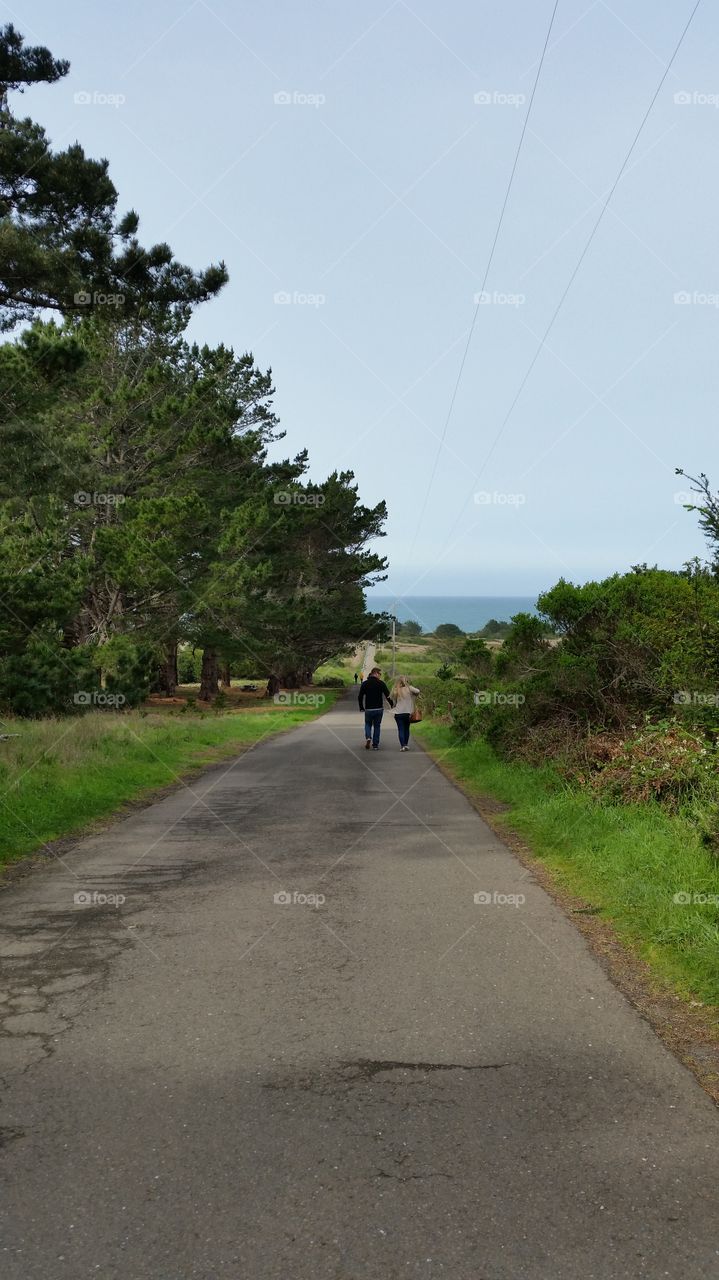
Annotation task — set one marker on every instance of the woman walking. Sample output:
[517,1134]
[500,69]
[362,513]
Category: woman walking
[403,695]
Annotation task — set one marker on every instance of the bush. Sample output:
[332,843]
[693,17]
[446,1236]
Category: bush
[332,682]
[189,665]
[475,656]
[128,668]
[495,630]
[45,678]
[663,761]
[441,698]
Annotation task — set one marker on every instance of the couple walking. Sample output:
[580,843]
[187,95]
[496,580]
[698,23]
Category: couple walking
[372,694]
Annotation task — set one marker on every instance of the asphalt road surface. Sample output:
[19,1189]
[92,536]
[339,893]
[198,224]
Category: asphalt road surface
[226,1076]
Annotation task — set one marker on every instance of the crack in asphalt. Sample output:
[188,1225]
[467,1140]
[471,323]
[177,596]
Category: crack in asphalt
[368,1068]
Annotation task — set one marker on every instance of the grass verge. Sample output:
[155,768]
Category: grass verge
[57,777]
[626,861]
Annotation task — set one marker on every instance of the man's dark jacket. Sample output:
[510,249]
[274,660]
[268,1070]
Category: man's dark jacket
[371,694]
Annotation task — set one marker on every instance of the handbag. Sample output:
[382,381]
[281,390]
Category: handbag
[416,716]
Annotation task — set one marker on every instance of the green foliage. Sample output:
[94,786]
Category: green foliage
[662,761]
[707,505]
[448,631]
[526,636]
[62,245]
[445,671]
[137,506]
[22,65]
[189,662]
[127,668]
[642,647]
[494,630]
[44,678]
[409,629]
[474,656]
[295,572]
[441,697]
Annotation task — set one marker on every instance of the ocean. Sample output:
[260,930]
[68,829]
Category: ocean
[470,613]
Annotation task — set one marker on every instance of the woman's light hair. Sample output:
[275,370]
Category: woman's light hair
[400,684]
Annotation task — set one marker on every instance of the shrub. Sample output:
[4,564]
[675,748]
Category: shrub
[441,698]
[662,761]
[45,677]
[189,664]
[128,668]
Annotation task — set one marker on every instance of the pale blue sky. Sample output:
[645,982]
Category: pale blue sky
[380,194]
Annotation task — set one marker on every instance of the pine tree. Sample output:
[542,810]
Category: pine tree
[62,246]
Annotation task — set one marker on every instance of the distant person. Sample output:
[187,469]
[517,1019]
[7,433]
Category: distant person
[356,677]
[403,696]
[372,693]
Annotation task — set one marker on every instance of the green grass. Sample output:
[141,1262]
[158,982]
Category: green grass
[59,776]
[417,666]
[342,668]
[628,860]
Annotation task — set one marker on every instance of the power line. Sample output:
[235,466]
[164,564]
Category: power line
[578,265]
[484,281]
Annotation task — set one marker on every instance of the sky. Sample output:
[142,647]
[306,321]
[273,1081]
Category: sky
[349,165]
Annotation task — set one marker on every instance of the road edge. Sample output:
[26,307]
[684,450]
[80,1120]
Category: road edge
[690,1033]
[46,853]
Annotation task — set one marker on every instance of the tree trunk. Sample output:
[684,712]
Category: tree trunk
[209,687]
[167,675]
[273,686]
[226,678]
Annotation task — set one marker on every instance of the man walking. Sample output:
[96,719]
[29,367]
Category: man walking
[372,693]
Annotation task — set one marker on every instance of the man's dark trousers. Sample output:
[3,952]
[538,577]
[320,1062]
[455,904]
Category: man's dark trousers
[372,723]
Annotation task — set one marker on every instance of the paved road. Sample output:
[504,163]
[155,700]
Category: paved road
[397,1082]
[370,650]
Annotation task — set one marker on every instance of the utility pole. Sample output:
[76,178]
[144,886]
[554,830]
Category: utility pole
[394,645]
